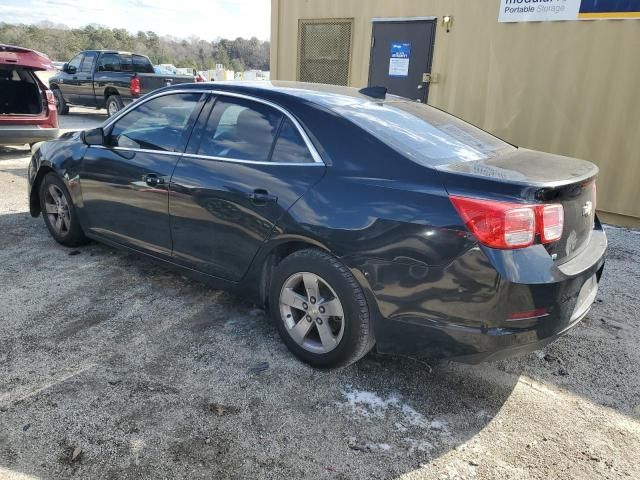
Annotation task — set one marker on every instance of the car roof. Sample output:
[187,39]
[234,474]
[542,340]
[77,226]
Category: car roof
[112,51]
[326,95]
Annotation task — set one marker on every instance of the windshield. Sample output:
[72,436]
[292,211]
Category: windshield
[424,134]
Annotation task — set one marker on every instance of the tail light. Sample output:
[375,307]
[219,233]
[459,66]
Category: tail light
[134,86]
[551,219]
[509,225]
[51,99]
[200,78]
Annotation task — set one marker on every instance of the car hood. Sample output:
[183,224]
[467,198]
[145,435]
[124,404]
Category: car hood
[24,58]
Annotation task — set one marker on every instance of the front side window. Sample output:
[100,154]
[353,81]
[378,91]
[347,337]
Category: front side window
[159,124]
[290,147]
[240,129]
[75,62]
[88,62]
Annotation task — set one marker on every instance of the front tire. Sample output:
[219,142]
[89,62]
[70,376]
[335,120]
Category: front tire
[59,213]
[114,104]
[320,310]
[61,105]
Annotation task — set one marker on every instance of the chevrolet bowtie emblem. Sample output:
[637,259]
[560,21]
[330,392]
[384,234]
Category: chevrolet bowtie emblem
[587,209]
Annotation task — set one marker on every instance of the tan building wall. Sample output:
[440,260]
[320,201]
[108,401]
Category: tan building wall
[571,88]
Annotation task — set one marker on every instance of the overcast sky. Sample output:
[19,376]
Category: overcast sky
[207,19]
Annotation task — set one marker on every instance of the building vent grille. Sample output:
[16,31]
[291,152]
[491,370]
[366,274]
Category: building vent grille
[324,48]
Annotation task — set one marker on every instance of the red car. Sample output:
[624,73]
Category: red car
[28,111]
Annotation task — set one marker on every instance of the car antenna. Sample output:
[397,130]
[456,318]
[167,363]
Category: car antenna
[374,92]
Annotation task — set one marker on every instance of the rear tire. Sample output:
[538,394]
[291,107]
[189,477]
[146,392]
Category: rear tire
[59,213]
[326,329]
[61,105]
[114,104]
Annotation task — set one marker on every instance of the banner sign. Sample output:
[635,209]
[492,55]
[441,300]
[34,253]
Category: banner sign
[551,10]
[400,52]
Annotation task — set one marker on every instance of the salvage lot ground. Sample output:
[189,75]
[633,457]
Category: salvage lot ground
[115,367]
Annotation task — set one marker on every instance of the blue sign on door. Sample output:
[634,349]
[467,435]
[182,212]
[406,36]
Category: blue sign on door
[400,54]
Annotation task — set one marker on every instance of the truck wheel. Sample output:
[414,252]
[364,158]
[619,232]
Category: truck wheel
[61,105]
[114,105]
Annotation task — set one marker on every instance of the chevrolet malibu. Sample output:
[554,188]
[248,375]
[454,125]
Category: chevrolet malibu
[355,217]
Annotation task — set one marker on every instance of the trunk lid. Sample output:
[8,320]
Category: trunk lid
[536,177]
[24,58]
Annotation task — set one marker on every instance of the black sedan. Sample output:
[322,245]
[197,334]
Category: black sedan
[357,218]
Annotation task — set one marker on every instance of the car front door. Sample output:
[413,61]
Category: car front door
[125,182]
[84,76]
[244,167]
[68,83]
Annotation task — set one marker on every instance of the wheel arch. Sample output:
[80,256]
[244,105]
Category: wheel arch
[271,256]
[110,91]
[34,197]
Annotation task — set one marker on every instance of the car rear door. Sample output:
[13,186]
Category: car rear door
[244,168]
[125,182]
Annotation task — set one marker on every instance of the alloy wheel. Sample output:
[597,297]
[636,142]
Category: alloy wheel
[312,312]
[57,209]
[112,108]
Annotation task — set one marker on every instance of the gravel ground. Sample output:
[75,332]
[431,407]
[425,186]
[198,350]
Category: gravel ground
[115,367]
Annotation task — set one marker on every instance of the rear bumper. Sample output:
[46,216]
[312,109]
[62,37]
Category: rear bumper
[461,311]
[503,344]
[19,135]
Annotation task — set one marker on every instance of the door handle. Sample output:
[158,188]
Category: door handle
[153,180]
[260,197]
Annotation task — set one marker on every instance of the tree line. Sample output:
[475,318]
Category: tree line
[61,43]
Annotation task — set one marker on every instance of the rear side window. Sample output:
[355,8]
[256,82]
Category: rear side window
[424,134]
[240,129]
[88,62]
[109,62]
[126,63]
[159,124]
[290,147]
[142,64]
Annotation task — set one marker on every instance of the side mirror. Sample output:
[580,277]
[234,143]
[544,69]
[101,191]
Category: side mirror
[65,67]
[70,69]
[95,136]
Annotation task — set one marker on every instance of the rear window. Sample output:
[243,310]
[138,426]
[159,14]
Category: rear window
[424,134]
[142,64]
